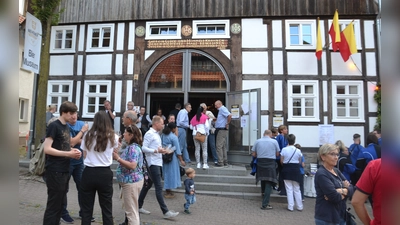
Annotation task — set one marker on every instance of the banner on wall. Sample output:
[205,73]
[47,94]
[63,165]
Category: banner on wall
[33,43]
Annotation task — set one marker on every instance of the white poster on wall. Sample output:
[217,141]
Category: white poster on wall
[33,43]
[326,134]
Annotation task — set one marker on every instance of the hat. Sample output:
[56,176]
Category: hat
[210,115]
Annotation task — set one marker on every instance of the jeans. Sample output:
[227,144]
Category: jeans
[321,222]
[100,180]
[267,193]
[211,144]
[155,175]
[190,200]
[183,144]
[57,184]
[76,172]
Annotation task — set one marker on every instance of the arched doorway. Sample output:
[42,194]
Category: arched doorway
[182,76]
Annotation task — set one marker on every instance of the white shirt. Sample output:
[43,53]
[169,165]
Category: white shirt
[151,142]
[287,153]
[99,159]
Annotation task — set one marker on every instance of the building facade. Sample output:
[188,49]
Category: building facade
[258,57]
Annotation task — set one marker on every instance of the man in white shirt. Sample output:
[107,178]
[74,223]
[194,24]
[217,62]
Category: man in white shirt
[153,150]
[182,122]
[110,112]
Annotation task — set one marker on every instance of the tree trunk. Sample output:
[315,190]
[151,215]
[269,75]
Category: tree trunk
[41,96]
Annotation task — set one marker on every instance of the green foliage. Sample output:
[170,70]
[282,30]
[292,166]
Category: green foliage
[46,10]
[377,97]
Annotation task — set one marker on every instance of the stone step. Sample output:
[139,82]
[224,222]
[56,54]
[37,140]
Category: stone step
[225,179]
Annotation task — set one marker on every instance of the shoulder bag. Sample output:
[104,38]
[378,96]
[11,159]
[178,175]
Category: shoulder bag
[200,137]
[167,157]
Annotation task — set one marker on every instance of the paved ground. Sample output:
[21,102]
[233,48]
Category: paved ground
[210,210]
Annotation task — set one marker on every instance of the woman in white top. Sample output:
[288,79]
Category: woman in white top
[98,145]
[199,123]
[291,159]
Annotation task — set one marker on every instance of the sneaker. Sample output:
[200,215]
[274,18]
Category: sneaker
[170,214]
[141,210]
[187,211]
[67,219]
[219,165]
[205,166]
[169,195]
[198,165]
[226,165]
[266,207]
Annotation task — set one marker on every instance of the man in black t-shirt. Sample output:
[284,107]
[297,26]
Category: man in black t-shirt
[58,153]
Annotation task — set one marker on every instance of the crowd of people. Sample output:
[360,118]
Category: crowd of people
[86,154]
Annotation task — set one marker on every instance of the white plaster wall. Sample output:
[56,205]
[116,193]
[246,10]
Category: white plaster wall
[80,65]
[264,124]
[277,61]
[277,33]
[263,84]
[98,64]
[131,41]
[372,123]
[278,93]
[118,64]
[323,60]
[369,34]
[78,95]
[372,105]
[61,65]
[339,67]
[25,90]
[147,53]
[120,36]
[117,95]
[81,40]
[371,63]
[255,62]
[325,95]
[345,133]
[227,52]
[254,33]
[302,63]
[130,63]
[129,91]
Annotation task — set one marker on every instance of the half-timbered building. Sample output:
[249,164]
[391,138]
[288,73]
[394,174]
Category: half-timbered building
[256,56]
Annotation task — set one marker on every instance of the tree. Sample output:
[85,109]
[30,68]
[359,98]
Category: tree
[47,11]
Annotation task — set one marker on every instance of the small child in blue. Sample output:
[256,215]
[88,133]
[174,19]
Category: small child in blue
[189,189]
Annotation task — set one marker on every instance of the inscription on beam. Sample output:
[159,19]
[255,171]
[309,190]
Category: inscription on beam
[203,43]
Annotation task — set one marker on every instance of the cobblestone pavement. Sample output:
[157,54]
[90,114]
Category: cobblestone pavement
[207,210]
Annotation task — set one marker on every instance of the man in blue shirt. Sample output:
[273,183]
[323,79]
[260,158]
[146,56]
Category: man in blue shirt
[221,128]
[182,122]
[377,133]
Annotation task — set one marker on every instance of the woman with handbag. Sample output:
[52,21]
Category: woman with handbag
[129,173]
[171,174]
[200,126]
[332,188]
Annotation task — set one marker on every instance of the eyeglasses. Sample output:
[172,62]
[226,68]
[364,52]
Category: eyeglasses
[333,154]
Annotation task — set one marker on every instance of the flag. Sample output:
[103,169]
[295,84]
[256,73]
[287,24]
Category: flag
[334,32]
[318,51]
[348,44]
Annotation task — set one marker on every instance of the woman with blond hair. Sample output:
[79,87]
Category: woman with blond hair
[344,163]
[332,188]
[49,112]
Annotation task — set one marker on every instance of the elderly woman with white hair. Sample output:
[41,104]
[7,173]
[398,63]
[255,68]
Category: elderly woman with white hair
[332,188]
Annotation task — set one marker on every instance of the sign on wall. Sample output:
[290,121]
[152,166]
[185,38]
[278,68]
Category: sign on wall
[33,43]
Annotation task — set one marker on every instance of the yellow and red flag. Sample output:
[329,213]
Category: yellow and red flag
[348,42]
[334,32]
[318,50]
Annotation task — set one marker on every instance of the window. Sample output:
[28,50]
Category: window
[58,92]
[62,39]
[163,30]
[211,29]
[96,92]
[343,24]
[300,34]
[23,110]
[303,101]
[347,101]
[100,37]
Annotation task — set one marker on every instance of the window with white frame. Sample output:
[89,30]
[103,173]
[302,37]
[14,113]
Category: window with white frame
[356,27]
[23,110]
[163,30]
[62,39]
[58,92]
[303,103]
[300,34]
[347,101]
[96,92]
[210,29]
[100,37]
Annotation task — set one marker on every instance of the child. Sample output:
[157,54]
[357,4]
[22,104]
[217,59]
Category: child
[302,165]
[189,189]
